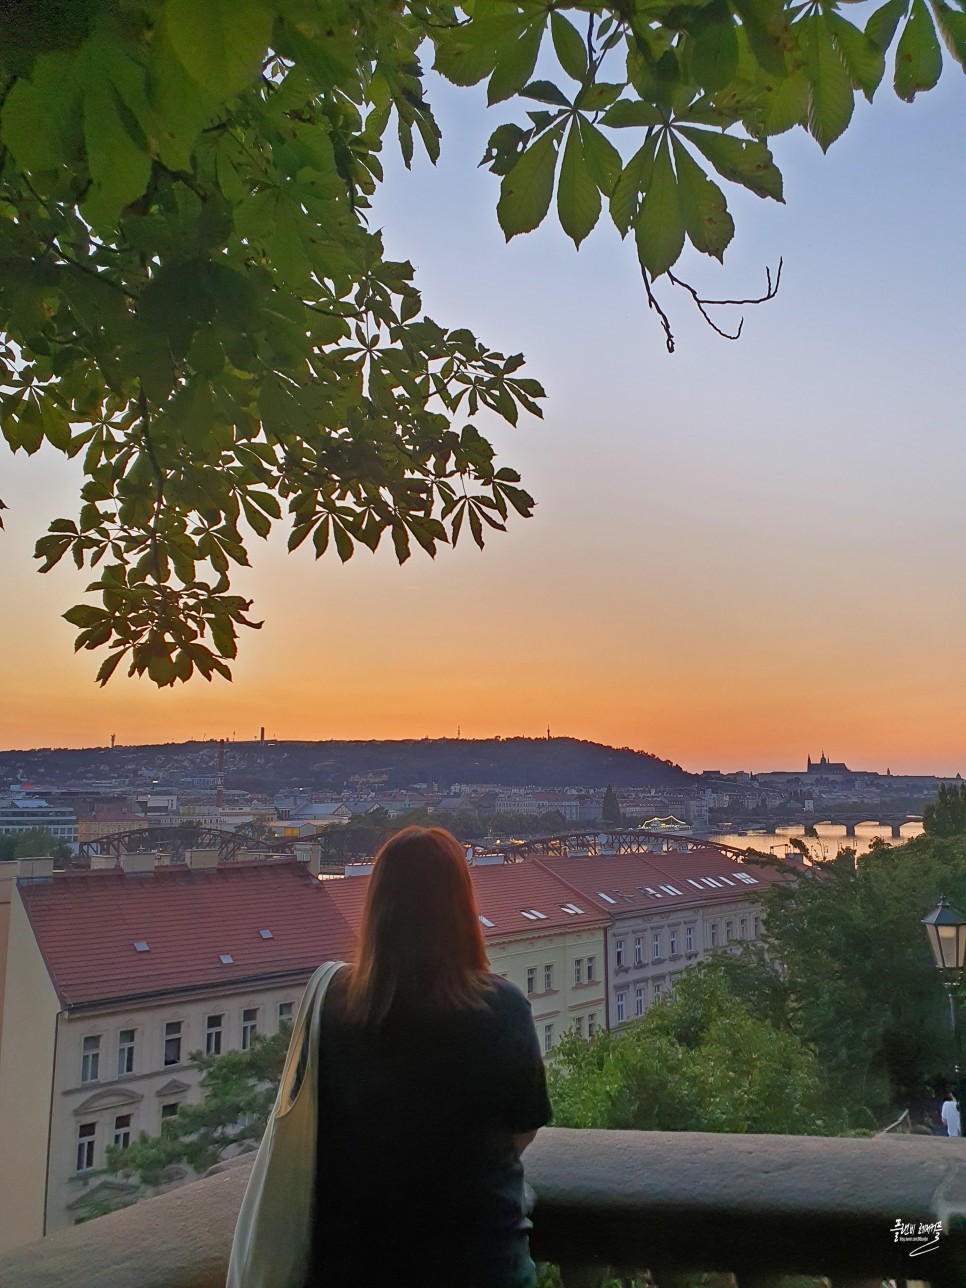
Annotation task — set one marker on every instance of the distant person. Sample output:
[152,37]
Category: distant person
[432,1085]
[950,1115]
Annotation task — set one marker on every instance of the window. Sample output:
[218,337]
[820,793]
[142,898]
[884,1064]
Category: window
[673,943]
[125,1052]
[122,1131]
[578,970]
[86,1134]
[729,931]
[547,978]
[249,1027]
[757,928]
[547,1038]
[714,934]
[590,970]
[656,948]
[591,1024]
[689,939]
[639,1000]
[638,950]
[658,989]
[619,951]
[621,1000]
[531,980]
[743,928]
[90,1061]
[172,1042]
[170,1110]
[579,1025]
[605,897]
[285,1012]
[213,1033]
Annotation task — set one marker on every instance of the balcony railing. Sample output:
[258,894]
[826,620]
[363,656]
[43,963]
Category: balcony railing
[755,1206]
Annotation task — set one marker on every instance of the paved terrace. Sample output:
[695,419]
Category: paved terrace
[758,1206]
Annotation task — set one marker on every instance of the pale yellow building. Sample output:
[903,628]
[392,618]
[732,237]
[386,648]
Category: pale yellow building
[113,978]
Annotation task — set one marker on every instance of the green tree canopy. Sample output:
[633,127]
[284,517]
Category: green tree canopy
[859,982]
[239,1090]
[193,299]
[610,810]
[699,1060]
[36,842]
[946,816]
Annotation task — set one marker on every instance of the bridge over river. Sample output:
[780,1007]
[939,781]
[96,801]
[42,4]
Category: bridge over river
[849,819]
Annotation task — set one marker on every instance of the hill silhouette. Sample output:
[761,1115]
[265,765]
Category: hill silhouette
[257,766]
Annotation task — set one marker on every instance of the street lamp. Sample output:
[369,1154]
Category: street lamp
[946,931]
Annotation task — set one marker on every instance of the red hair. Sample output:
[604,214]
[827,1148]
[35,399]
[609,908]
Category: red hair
[421,937]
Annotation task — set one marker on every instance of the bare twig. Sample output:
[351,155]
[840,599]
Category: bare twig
[652,303]
[703,305]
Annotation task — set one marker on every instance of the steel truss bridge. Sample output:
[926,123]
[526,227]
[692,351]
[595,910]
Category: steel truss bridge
[174,841]
[341,845]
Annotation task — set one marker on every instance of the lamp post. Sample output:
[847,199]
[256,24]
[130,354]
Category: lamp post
[946,931]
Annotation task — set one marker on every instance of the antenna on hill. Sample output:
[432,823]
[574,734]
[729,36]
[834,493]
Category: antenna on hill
[548,733]
[113,736]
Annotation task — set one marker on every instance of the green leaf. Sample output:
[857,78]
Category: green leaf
[578,198]
[569,47]
[744,161]
[633,179]
[863,57]
[595,97]
[765,24]
[952,28]
[659,226]
[526,191]
[602,158]
[919,60]
[881,27]
[40,114]
[220,43]
[787,104]
[119,167]
[343,542]
[633,112]
[545,92]
[714,47]
[706,219]
[515,65]
[831,99]
[108,667]
[83,615]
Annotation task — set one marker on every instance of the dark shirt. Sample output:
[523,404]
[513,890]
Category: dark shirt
[418,1179]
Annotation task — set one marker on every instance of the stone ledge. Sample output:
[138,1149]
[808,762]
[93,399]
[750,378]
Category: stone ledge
[755,1204]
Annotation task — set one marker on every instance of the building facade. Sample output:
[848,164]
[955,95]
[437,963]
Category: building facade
[666,912]
[113,979]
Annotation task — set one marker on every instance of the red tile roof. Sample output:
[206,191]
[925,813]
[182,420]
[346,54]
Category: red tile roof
[503,892]
[86,924]
[624,879]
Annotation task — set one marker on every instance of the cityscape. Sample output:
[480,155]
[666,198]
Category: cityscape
[481,716]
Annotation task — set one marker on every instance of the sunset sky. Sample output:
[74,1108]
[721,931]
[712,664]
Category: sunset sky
[742,554]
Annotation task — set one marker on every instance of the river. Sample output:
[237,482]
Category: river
[831,838]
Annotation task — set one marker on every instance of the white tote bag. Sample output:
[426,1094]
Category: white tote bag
[273,1235]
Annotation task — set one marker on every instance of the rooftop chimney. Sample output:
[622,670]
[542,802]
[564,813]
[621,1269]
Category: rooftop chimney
[35,869]
[197,859]
[138,864]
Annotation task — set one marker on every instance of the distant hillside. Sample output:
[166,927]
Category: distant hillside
[557,762]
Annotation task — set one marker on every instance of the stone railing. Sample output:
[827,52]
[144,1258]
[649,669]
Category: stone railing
[757,1206]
